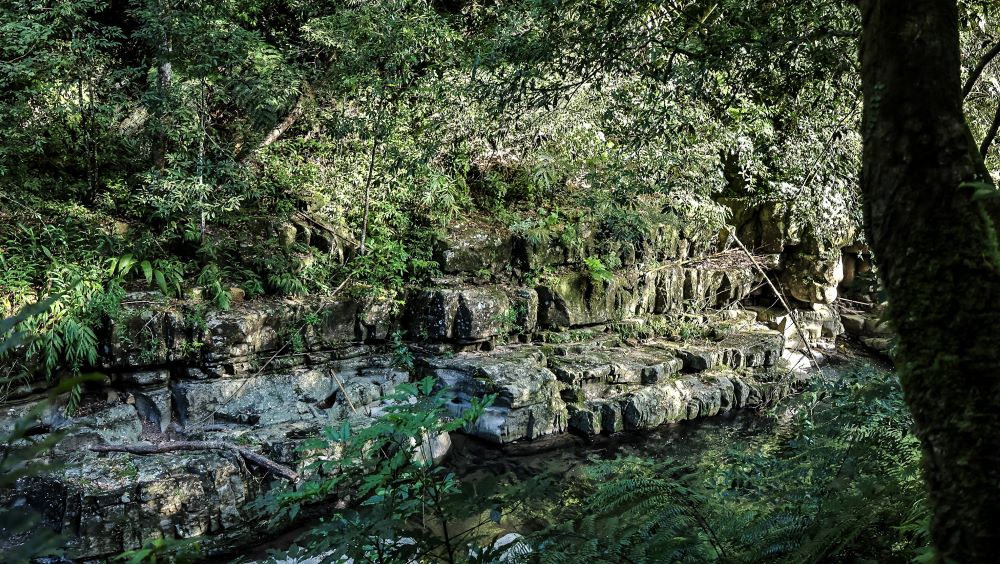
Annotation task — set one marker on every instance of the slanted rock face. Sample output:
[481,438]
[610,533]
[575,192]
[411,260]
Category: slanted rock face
[528,404]
[669,296]
[717,287]
[278,398]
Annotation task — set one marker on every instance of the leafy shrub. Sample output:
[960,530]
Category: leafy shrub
[402,504]
[841,482]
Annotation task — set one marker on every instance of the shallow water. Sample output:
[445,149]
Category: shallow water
[687,442]
[473,460]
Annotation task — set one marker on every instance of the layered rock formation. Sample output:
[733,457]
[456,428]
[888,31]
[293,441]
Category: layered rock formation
[666,338]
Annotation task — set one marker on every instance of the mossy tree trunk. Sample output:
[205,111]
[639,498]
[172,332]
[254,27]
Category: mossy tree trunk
[937,249]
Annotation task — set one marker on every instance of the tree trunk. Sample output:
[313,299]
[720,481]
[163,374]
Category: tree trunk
[937,250]
[163,80]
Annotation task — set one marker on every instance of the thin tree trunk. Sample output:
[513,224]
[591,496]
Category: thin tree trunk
[163,79]
[202,113]
[368,189]
[94,172]
[984,148]
[371,168]
[937,251]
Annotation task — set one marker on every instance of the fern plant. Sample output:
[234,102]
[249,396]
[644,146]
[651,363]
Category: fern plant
[167,274]
[60,340]
[404,505]
[287,283]
[842,483]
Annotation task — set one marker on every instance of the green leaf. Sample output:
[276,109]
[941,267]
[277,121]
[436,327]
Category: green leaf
[161,282]
[125,264]
[147,270]
[980,190]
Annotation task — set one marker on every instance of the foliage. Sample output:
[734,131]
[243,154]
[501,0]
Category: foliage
[404,505]
[173,551]
[21,447]
[203,126]
[842,481]
[402,356]
[598,272]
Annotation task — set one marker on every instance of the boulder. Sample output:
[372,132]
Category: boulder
[585,420]
[813,277]
[433,449]
[574,299]
[466,313]
[652,406]
[853,323]
[266,399]
[528,402]
[525,304]
[471,248]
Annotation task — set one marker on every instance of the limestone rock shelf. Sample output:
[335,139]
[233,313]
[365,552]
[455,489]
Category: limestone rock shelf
[671,336]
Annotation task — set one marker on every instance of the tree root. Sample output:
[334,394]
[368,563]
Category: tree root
[172,446]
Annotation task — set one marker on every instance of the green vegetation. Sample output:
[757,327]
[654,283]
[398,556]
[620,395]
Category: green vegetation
[837,477]
[840,481]
[206,151]
[282,148]
[405,505]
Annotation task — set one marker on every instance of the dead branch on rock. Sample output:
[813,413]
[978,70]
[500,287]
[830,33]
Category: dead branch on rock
[173,446]
[781,298]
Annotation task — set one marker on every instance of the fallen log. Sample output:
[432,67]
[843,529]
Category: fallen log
[173,446]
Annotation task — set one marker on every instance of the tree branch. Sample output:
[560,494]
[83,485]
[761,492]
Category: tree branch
[991,134]
[172,446]
[290,119]
[976,72]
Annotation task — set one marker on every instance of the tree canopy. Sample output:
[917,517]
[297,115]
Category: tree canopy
[168,144]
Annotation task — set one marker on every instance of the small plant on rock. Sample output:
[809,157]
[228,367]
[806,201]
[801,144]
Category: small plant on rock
[598,272]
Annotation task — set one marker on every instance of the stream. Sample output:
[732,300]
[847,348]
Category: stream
[475,461]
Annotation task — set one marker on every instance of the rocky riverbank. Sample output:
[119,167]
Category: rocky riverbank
[685,329]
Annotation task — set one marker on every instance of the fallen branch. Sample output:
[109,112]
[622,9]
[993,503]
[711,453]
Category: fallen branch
[172,446]
[290,119]
[781,298]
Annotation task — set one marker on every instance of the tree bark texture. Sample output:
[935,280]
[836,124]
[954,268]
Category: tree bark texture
[936,246]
